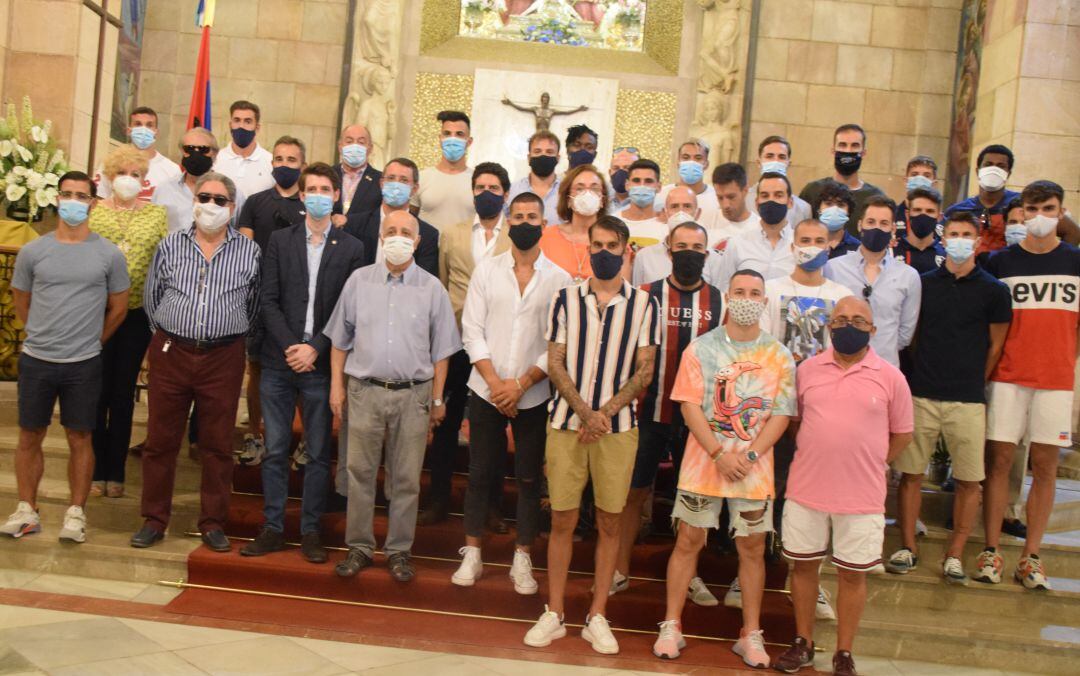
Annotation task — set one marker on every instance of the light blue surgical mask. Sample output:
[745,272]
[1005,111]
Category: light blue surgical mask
[354,155]
[642,196]
[396,194]
[915,182]
[318,206]
[73,212]
[834,218]
[1015,233]
[959,249]
[142,137]
[691,172]
[774,167]
[453,149]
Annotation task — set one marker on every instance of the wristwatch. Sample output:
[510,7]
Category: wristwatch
[752,456]
[437,402]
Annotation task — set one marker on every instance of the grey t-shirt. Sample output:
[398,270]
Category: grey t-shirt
[69,286]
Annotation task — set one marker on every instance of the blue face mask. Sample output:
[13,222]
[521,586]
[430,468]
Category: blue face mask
[959,249]
[1015,233]
[453,149]
[915,182]
[772,212]
[242,137]
[354,155]
[774,167]
[73,212]
[318,206]
[691,172]
[834,218]
[849,340]
[605,265]
[142,137]
[876,239]
[396,194]
[642,196]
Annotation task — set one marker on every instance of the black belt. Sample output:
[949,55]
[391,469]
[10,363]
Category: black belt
[203,344]
[393,384]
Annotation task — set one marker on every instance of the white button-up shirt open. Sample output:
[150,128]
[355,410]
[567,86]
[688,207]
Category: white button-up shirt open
[508,327]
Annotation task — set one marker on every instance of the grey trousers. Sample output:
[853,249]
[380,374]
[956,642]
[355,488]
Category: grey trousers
[396,420]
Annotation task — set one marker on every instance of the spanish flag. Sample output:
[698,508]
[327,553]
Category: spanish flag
[200,113]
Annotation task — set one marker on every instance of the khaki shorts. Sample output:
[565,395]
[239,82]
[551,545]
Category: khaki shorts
[961,425]
[609,461]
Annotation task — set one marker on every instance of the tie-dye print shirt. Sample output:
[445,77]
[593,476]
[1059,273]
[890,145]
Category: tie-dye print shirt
[738,386]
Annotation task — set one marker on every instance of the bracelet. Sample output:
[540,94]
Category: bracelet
[519,385]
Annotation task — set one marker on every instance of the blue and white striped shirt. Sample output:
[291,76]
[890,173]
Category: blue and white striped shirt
[600,348]
[199,299]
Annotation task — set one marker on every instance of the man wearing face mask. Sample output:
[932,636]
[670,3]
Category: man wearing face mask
[444,193]
[736,386]
[774,156]
[142,130]
[993,167]
[70,290]
[639,213]
[1031,388]
[890,285]
[201,297]
[693,160]
[247,163]
[618,173]
[198,148]
[654,262]
[581,144]
[397,183]
[729,182]
[593,431]
[304,269]
[849,150]
[462,247]
[833,207]
[394,395]
[359,180]
[541,179]
[855,415]
[964,316]
[766,249]
[921,172]
[919,245]
[503,324]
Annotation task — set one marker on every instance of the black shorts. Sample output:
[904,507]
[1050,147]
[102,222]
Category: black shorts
[76,384]
[655,442]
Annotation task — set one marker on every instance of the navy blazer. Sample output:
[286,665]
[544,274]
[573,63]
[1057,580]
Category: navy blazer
[368,193]
[285,291]
[365,227]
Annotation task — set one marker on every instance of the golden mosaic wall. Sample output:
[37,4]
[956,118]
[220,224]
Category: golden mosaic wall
[435,92]
[646,120]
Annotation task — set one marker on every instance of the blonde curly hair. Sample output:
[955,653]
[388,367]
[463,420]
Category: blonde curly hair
[124,157]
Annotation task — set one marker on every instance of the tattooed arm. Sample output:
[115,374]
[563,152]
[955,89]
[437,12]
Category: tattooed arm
[593,422]
[631,389]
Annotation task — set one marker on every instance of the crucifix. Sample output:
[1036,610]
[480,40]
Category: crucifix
[544,112]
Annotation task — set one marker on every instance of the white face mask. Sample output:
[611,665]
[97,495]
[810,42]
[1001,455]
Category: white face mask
[678,218]
[1041,225]
[992,178]
[210,218]
[586,203]
[126,187]
[398,250]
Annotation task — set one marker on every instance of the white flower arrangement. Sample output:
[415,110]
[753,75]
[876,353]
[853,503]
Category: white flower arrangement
[30,162]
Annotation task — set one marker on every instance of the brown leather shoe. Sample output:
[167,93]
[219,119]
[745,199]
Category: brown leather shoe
[354,562]
[311,548]
[799,655]
[843,664]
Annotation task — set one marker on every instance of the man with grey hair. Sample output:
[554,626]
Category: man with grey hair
[692,161]
[200,277]
[198,148]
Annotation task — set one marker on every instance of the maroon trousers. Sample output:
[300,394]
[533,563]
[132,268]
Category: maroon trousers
[212,379]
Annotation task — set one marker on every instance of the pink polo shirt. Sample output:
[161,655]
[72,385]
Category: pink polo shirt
[846,416]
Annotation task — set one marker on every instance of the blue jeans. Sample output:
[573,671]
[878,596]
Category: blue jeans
[279,390]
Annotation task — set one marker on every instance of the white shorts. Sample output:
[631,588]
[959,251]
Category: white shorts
[857,539]
[1014,411]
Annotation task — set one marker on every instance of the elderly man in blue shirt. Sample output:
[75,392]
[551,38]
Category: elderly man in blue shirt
[891,286]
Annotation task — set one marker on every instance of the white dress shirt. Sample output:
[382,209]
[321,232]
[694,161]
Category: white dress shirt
[481,246]
[752,249]
[508,327]
[251,174]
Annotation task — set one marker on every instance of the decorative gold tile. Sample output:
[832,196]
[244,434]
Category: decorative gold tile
[647,120]
[435,92]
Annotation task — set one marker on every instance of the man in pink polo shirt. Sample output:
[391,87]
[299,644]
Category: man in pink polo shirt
[855,417]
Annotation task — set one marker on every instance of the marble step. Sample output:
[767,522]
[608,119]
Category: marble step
[937,506]
[1060,551]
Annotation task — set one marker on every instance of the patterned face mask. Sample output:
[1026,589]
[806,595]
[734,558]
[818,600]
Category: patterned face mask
[745,311]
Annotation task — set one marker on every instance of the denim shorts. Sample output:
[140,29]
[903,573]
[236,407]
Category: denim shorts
[703,511]
[76,384]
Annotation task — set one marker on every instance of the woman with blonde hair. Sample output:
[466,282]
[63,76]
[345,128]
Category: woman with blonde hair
[136,227]
[583,197]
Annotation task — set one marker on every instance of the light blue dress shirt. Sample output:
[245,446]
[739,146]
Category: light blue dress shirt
[314,259]
[551,199]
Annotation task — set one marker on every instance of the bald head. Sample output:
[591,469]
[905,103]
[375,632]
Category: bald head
[681,199]
[400,224]
[355,133]
[850,307]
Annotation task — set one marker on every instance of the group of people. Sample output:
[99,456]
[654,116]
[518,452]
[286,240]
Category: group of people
[781,350]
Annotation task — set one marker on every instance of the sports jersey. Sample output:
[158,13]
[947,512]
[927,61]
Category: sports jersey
[684,315]
[1040,348]
[923,260]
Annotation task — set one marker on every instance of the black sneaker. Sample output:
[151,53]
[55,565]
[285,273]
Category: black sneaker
[843,664]
[354,562]
[799,655]
[1015,528]
[311,548]
[266,542]
[401,568]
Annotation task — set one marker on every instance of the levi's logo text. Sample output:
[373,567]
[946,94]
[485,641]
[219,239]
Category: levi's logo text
[1044,291]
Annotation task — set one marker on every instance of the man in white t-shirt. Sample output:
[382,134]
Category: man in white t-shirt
[692,163]
[729,182]
[640,216]
[774,155]
[142,130]
[246,162]
[444,197]
[653,262]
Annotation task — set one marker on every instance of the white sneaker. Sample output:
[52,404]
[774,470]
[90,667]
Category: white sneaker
[521,574]
[920,528]
[253,451]
[24,521]
[74,529]
[952,569]
[597,632]
[670,643]
[471,567]
[619,583]
[700,595]
[733,597]
[547,629]
[823,610]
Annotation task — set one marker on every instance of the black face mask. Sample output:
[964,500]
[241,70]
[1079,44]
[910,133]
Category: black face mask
[543,165]
[922,225]
[687,265]
[197,164]
[846,163]
[618,181]
[605,264]
[772,212]
[579,157]
[242,137]
[525,236]
[285,177]
[487,204]
[849,340]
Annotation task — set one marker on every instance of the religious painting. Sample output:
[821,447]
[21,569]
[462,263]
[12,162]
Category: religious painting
[605,24]
[974,24]
[128,55]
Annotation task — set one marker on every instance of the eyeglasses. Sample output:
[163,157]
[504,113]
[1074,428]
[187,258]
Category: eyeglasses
[577,190]
[866,291]
[197,150]
[219,200]
[858,322]
[69,195]
[628,149]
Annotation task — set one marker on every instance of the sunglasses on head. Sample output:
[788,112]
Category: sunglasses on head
[219,200]
[197,150]
[629,149]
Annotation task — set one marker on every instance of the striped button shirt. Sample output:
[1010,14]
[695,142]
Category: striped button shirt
[684,315]
[199,299]
[600,347]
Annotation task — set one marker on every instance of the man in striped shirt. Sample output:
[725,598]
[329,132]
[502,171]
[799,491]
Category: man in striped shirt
[688,308]
[602,343]
[201,295]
